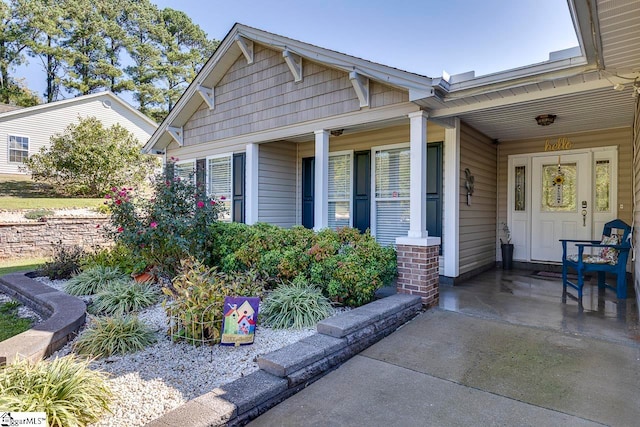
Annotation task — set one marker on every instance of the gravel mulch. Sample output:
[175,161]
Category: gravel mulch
[149,383]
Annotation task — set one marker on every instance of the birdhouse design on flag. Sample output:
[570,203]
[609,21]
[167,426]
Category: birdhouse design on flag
[239,322]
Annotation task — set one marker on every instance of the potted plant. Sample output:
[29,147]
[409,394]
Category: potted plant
[507,248]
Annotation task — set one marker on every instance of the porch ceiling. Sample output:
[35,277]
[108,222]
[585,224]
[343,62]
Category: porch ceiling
[598,109]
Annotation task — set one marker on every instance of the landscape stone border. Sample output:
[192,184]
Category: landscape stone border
[64,315]
[288,370]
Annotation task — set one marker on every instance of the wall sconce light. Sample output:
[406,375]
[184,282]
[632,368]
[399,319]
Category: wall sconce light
[545,119]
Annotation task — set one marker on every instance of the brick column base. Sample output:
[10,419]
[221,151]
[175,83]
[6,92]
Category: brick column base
[418,272]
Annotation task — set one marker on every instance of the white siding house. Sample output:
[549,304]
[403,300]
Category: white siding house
[24,131]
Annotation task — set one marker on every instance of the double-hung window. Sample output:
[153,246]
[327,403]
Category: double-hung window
[18,148]
[339,197]
[219,180]
[392,185]
[186,170]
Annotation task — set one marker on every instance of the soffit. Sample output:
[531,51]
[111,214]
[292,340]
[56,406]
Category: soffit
[620,34]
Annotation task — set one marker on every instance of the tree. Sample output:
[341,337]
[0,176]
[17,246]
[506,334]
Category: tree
[89,159]
[15,33]
[185,48]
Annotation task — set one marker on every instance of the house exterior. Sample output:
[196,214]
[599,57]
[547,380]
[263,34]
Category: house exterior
[24,131]
[294,134]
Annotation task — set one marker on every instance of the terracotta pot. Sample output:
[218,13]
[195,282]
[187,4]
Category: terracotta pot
[143,277]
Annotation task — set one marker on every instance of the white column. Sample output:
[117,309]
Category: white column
[251,180]
[321,190]
[451,190]
[418,183]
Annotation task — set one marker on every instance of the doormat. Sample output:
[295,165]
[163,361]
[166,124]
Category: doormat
[554,275]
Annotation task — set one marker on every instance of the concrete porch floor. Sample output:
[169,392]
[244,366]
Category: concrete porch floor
[502,349]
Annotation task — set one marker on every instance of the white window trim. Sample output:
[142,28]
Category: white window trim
[374,219]
[9,135]
[220,156]
[192,162]
[350,154]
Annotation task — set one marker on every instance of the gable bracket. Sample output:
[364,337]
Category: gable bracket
[246,46]
[207,94]
[361,86]
[177,134]
[295,64]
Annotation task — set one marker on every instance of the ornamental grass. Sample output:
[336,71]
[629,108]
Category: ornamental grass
[296,306]
[65,389]
[117,335]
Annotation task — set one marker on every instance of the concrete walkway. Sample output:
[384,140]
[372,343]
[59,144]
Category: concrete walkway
[480,362]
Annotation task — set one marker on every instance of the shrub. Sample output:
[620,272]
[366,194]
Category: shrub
[38,214]
[348,266]
[88,158]
[93,280]
[296,305]
[119,298]
[167,228]
[197,294]
[66,389]
[114,335]
[118,255]
[64,264]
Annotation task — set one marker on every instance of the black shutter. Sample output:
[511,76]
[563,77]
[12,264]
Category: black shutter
[238,187]
[362,190]
[308,188]
[434,190]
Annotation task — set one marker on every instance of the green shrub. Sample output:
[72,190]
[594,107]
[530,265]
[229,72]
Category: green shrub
[10,323]
[114,335]
[118,255]
[64,264]
[66,389]
[348,266]
[124,297]
[295,305]
[38,214]
[197,298]
[93,280]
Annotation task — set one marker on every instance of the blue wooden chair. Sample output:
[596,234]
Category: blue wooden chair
[612,258]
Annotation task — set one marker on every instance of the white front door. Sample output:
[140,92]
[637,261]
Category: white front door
[561,203]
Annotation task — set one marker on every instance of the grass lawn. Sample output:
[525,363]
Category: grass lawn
[25,264]
[10,323]
[19,192]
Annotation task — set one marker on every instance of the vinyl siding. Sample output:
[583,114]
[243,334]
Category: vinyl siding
[277,195]
[262,96]
[477,221]
[41,125]
[620,138]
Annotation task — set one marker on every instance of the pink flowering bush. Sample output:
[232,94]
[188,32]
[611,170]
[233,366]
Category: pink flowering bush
[166,228]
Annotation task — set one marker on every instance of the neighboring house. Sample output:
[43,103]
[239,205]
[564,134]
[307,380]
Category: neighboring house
[294,134]
[24,131]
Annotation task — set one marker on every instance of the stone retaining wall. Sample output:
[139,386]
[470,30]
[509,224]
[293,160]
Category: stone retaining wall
[39,239]
[286,371]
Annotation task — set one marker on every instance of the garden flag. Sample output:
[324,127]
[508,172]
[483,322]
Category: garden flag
[239,322]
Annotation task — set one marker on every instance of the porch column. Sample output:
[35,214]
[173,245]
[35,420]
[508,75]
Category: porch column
[251,190]
[321,189]
[451,229]
[418,184]
[418,254]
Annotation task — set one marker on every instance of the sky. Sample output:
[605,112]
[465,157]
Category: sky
[421,36]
